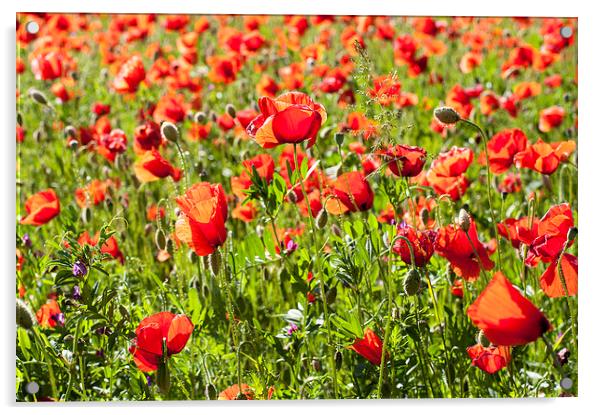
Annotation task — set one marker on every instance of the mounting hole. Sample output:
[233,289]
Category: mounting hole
[566,383]
[566,32]
[32,387]
[32,27]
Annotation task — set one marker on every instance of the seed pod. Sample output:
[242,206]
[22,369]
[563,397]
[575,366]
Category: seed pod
[215,261]
[411,282]
[170,132]
[447,115]
[200,117]
[338,359]
[25,316]
[571,234]
[231,111]
[321,219]
[464,220]
[482,339]
[38,96]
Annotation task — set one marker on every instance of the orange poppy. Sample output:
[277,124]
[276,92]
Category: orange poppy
[490,359]
[404,160]
[232,393]
[550,118]
[502,147]
[544,157]
[369,347]
[446,174]
[505,316]
[130,75]
[152,166]
[41,208]
[109,247]
[352,193]
[202,221]
[518,231]
[50,315]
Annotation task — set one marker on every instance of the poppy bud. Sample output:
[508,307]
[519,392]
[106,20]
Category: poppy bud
[213,116]
[163,380]
[464,220]
[19,119]
[447,115]
[160,239]
[424,216]
[70,131]
[38,135]
[25,317]
[170,132]
[571,234]
[210,392]
[331,295]
[200,117]
[482,340]
[38,96]
[73,144]
[411,282]
[338,359]
[336,230]
[339,137]
[86,215]
[395,314]
[148,228]
[215,260]
[292,197]
[315,364]
[230,110]
[321,219]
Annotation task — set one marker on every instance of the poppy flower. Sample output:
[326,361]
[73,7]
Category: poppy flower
[453,244]
[129,76]
[110,246]
[502,147]
[446,174]
[245,213]
[160,336]
[202,221]
[47,65]
[50,315]
[421,243]
[147,137]
[505,316]
[352,193]
[155,212]
[457,288]
[41,208]
[93,193]
[369,347]
[551,281]
[518,231]
[490,359]
[262,163]
[223,68]
[171,108]
[290,118]
[550,118]
[232,393]
[112,143]
[511,183]
[152,166]
[544,157]
[404,160]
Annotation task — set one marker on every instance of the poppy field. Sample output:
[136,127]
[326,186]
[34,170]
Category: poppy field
[295,207]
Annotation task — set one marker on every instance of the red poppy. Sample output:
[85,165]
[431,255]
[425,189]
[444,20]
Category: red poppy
[223,68]
[262,163]
[404,160]
[93,193]
[422,243]
[155,212]
[111,144]
[47,65]
[544,157]
[147,137]
[502,147]
[232,393]
[370,347]
[110,246]
[152,166]
[446,174]
[352,193]
[457,288]
[550,118]
[518,231]
[158,337]
[511,183]
[129,76]
[171,108]
[202,221]
[245,213]
[551,282]
[489,359]
[290,118]
[505,316]
[41,208]
[50,315]
[453,244]
[100,109]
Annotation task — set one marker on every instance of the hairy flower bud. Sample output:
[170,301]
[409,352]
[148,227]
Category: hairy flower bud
[230,110]
[339,137]
[70,131]
[321,219]
[200,117]
[571,234]
[424,215]
[447,115]
[25,317]
[170,132]
[464,220]
[411,282]
[38,96]
[292,197]
[336,230]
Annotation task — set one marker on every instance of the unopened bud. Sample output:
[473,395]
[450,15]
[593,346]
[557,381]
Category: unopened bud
[170,132]
[321,219]
[482,339]
[73,144]
[86,215]
[571,234]
[424,216]
[230,110]
[336,230]
[292,196]
[339,137]
[160,239]
[19,119]
[447,115]
[315,364]
[25,316]
[210,392]
[200,117]
[148,228]
[411,282]
[331,295]
[338,359]
[38,96]
[70,131]
[464,220]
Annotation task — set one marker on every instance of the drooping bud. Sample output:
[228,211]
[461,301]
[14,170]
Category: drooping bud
[331,295]
[200,117]
[86,215]
[571,234]
[170,132]
[338,359]
[424,216]
[447,115]
[70,131]
[73,144]
[339,137]
[411,282]
[210,392]
[464,220]
[215,262]
[321,219]
[315,364]
[292,197]
[336,230]
[160,239]
[25,316]
[38,96]
[19,119]
[230,110]
[482,340]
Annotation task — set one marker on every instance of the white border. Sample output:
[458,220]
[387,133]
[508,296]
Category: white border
[590,158]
